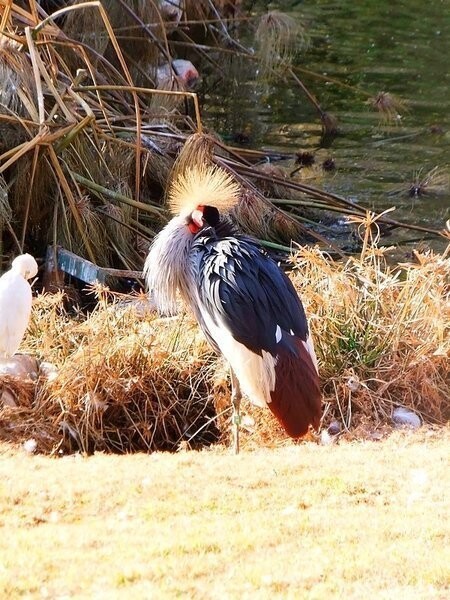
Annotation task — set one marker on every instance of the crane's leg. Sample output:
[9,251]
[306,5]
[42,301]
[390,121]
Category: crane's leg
[236,396]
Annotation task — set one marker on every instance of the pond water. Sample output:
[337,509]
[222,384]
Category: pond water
[400,47]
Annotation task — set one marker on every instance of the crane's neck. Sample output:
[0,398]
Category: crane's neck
[167,267]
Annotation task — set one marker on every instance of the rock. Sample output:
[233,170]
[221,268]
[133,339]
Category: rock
[334,428]
[22,366]
[8,399]
[48,370]
[326,439]
[30,446]
[402,416]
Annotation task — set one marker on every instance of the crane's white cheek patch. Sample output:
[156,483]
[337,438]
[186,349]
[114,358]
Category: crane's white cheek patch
[255,373]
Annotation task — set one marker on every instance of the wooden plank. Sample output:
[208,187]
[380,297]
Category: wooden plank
[84,269]
[79,267]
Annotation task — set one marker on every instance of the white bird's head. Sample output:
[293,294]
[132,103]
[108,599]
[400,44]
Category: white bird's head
[25,265]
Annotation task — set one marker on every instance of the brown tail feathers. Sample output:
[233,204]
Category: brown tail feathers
[296,399]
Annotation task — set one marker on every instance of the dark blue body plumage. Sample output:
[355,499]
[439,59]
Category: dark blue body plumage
[248,309]
[244,287]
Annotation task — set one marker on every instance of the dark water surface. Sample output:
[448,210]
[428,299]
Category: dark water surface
[400,47]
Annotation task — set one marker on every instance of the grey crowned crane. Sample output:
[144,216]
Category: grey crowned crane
[244,303]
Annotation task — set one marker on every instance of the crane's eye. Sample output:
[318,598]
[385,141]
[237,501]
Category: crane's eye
[211,215]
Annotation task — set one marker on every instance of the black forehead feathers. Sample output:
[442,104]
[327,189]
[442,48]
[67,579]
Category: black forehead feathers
[211,215]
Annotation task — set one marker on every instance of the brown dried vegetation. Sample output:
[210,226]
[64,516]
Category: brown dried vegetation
[127,380]
[85,157]
[88,138]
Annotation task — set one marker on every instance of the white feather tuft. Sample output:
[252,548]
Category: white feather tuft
[310,347]
[165,268]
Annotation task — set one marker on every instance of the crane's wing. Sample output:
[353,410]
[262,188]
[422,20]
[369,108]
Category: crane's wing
[244,289]
[250,310]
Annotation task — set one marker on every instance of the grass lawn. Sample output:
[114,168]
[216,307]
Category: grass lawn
[353,520]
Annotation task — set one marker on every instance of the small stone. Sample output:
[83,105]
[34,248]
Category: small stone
[8,399]
[325,438]
[353,383]
[30,446]
[404,417]
[48,370]
[334,428]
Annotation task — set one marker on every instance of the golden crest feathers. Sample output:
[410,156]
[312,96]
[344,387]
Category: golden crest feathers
[203,185]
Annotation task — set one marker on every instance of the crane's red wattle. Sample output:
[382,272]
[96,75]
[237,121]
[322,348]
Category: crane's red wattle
[193,227]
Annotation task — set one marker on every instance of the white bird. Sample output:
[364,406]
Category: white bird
[15,303]
[183,70]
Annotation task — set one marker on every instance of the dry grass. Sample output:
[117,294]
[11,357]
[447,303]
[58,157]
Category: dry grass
[77,145]
[388,106]
[381,332]
[129,381]
[356,520]
[84,163]
[435,182]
